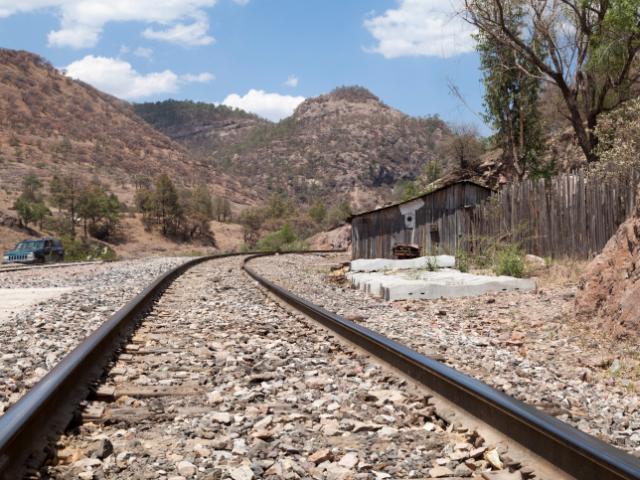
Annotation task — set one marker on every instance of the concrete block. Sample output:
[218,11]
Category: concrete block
[446,283]
[380,264]
[372,283]
[451,284]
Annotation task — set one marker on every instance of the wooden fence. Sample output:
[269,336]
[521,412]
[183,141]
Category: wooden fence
[569,215]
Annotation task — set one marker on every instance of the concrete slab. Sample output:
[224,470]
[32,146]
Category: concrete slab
[380,264]
[446,283]
[374,283]
[13,300]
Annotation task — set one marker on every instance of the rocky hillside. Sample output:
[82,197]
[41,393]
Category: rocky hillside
[199,126]
[50,123]
[609,291]
[346,142]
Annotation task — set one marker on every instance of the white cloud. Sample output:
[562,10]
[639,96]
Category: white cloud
[75,36]
[199,78]
[143,52]
[82,21]
[119,78]
[292,81]
[421,28]
[185,34]
[272,106]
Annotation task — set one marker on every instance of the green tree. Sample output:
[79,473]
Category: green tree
[30,204]
[318,211]
[31,186]
[279,206]
[65,191]
[99,210]
[251,220]
[112,213]
[30,211]
[588,49]
[200,210]
[145,203]
[88,205]
[511,95]
[168,209]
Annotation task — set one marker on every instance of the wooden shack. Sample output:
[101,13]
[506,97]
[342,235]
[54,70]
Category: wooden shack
[436,222]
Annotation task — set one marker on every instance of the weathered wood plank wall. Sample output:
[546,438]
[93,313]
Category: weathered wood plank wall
[441,222]
[569,215]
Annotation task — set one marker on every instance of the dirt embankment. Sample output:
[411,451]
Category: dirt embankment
[337,239]
[609,291]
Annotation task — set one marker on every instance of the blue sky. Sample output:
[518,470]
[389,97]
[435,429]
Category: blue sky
[262,55]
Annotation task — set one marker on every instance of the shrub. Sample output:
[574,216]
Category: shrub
[462,261]
[509,262]
[77,250]
[431,264]
[283,240]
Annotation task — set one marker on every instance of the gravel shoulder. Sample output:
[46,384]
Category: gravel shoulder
[244,389]
[525,344]
[37,335]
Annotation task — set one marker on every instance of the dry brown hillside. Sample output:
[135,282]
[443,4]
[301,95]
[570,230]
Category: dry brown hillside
[344,142]
[50,123]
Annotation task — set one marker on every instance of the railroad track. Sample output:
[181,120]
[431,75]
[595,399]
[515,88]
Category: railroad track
[37,420]
[18,268]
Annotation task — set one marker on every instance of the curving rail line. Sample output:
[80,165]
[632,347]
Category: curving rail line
[38,418]
[580,455]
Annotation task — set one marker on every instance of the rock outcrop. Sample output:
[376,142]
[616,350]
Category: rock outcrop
[609,292]
[337,239]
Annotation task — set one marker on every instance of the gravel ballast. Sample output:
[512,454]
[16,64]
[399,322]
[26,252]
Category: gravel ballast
[524,344]
[36,337]
[221,382]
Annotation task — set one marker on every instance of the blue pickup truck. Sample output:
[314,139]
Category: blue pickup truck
[38,250]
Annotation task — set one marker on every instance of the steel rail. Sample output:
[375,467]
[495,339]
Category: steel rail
[581,456]
[19,268]
[29,427]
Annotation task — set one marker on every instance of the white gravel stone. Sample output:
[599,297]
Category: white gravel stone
[276,374]
[522,343]
[186,469]
[36,336]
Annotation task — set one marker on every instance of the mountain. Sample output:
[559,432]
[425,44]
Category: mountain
[200,127]
[346,142]
[50,124]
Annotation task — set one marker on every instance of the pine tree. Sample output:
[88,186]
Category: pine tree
[168,209]
[64,195]
[99,209]
[30,204]
[200,207]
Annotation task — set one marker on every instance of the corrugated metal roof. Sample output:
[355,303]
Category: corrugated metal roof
[424,195]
